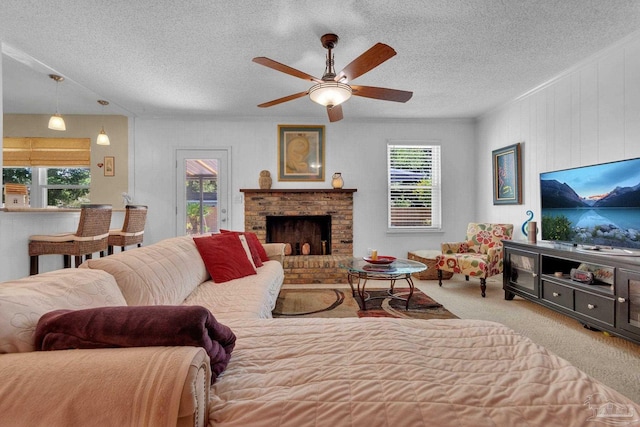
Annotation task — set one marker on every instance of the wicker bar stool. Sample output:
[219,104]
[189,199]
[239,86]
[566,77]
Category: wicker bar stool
[92,236]
[132,231]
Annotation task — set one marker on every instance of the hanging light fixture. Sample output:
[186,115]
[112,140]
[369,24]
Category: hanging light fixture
[103,139]
[56,122]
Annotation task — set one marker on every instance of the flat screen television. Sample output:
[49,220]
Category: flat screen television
[595,207]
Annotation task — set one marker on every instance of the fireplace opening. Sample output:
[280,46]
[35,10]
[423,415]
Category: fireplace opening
[300,229]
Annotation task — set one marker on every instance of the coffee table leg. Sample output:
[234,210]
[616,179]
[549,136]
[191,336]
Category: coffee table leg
[410,282]
[361,291]
[350,280]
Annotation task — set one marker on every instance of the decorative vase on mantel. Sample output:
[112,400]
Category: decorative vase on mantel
[265,180]
[336,181]
[306,249]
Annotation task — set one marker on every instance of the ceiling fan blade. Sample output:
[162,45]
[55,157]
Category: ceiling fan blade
[335,113]
[369,60]
[285,69]
[381,93]
[283,99]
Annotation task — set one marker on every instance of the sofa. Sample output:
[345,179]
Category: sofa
[148,385]
[283,371]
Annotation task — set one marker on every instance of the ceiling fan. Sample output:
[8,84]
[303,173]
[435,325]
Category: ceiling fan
[333,88]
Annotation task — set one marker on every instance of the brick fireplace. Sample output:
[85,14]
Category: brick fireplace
[301,203]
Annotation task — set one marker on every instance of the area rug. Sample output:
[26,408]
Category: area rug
[339,303]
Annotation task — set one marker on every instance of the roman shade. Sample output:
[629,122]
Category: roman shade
[42,152]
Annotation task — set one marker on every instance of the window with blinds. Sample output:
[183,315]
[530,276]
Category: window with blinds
[414,187]
[65,152]
[56,171]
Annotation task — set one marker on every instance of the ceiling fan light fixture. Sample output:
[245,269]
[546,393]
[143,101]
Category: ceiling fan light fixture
[330,94]
[333,89]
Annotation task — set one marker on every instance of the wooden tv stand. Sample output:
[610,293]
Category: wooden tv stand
[540,272]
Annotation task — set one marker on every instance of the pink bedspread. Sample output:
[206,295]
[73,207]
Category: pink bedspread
[396,372]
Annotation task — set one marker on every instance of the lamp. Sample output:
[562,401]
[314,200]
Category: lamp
[56,122]
[103,139]
[330,93]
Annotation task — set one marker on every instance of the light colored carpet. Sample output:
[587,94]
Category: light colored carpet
[611,360]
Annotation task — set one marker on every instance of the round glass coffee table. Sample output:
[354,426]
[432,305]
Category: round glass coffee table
[359,272]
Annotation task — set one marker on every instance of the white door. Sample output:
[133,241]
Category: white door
[202,191]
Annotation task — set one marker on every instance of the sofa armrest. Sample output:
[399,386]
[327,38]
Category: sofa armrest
[163,386]
[275,251]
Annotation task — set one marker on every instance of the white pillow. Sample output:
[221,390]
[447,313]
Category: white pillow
[24,301]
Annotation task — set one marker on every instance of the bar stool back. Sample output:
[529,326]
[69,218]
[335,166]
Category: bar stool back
[132,231]
[91,236]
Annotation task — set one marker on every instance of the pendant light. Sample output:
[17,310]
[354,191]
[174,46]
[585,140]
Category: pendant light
[56,122]
[103,139]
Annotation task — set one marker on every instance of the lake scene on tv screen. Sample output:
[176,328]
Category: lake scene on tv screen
[593,205]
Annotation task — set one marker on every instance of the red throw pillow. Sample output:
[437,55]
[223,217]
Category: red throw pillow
[258,253]
[251,237]
[224,257]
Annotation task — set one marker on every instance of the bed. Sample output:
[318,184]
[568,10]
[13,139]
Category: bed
[401,372]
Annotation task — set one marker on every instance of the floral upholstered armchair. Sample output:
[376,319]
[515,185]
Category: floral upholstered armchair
[479,256]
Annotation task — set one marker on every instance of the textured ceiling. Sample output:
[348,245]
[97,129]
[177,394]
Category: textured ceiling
[155,58]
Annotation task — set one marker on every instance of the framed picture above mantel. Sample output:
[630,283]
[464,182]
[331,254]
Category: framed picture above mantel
[301,153]
[507,175]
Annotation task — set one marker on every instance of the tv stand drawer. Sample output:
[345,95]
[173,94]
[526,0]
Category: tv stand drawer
[557,294]
[595,306]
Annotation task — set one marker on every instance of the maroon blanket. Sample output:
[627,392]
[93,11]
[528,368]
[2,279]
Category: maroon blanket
[138,326]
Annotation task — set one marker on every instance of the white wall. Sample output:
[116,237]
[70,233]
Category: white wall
[590,114]
[357,149]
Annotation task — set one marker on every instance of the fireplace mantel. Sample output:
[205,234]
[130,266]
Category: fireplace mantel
[298,190]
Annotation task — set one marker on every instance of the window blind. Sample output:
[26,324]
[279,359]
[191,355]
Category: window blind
[66,152]
[414,186]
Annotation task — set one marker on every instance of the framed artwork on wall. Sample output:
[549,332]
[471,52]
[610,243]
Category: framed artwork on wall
[301,153]
[507,175]
[109,166]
